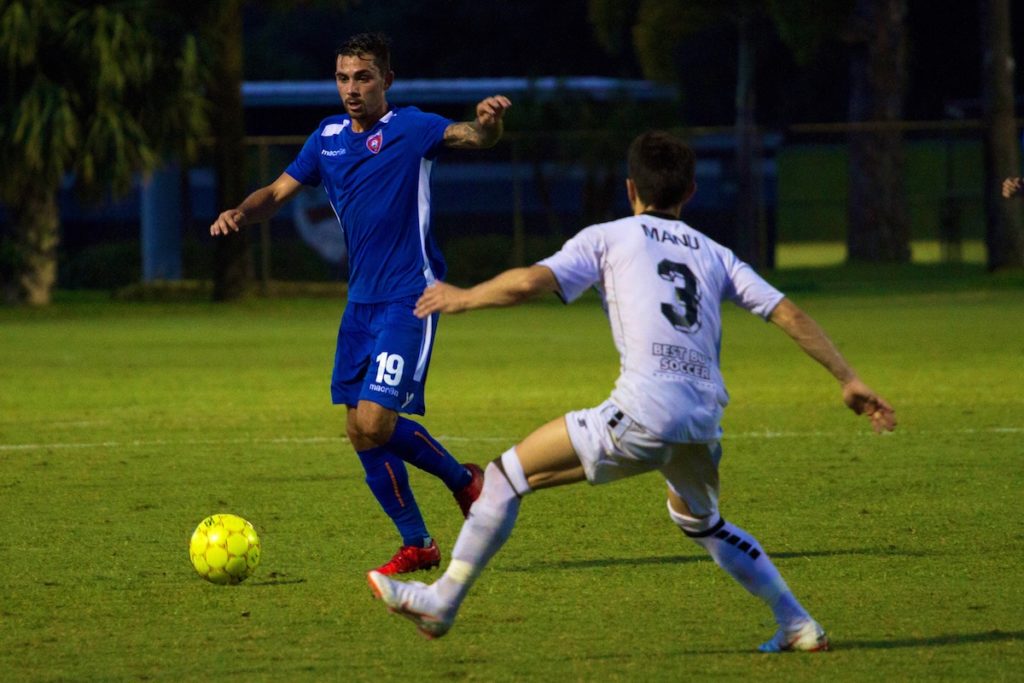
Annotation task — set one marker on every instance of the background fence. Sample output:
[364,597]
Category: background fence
[518,201]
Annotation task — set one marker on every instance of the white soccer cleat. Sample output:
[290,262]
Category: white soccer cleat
[414,601]
[810,637]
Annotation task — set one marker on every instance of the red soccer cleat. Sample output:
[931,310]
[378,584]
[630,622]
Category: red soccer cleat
[415,601]
[471,491]
[411,558]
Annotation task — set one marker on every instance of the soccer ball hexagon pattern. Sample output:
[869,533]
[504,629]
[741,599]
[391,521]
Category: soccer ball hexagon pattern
[224,549]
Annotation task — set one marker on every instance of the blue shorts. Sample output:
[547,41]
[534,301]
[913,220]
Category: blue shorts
[382,355]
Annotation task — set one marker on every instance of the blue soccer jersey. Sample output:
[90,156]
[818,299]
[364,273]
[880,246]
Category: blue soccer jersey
[378,182]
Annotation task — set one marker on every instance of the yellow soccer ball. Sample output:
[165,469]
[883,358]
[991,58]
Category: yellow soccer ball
[224,549]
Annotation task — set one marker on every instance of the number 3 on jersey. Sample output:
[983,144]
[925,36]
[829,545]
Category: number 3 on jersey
[682,313]
[389,368]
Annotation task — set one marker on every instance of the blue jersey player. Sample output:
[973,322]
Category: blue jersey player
[374,163]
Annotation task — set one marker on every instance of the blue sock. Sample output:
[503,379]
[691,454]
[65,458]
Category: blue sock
[412,443]
[389,480]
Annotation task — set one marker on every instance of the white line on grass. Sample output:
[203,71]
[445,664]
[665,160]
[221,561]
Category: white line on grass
[767,434]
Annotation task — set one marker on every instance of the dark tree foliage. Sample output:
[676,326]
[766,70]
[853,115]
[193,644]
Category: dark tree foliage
[103,90]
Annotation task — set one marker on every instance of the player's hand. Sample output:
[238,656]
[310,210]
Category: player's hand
[440,297]
[489,112]
[1013,187]
[862,400]
[229,221]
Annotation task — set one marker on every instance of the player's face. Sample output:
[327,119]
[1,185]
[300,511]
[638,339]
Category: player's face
[361,86]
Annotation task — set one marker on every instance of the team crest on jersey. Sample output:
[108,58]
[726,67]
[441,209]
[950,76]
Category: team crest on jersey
[375,141]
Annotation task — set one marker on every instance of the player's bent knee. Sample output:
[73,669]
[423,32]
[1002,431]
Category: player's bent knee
[369,421]
[513,471]
[696,527]
[370,433]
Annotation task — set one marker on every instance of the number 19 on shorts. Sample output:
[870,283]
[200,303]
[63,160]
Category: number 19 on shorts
[389,368]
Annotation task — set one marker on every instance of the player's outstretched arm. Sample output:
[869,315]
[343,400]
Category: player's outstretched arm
[1013,187]
[507,289]
[257,207]
[482,132]
[859,397]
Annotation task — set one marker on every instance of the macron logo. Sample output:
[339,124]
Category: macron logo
[332,152]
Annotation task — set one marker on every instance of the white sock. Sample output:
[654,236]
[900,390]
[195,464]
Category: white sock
[741,556]
[483,533]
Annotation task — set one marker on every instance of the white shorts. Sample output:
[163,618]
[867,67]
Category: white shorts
[613,446]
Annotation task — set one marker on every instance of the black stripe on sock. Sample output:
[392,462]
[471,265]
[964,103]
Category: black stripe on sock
[501,468]
[707,532]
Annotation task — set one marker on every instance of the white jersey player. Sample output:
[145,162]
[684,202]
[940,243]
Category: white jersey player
[662,283]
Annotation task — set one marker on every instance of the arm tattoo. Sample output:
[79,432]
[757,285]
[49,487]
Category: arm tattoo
[470,135]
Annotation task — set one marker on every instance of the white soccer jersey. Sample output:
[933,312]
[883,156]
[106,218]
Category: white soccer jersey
[662,283]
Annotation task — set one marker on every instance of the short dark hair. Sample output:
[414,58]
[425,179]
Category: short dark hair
[376,45]
[661,167]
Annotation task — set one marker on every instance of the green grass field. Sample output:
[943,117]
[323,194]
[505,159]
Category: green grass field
[815,254]
[123,425]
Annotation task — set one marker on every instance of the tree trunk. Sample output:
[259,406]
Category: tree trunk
[749,241]
[36,223]
[233,269]
[878,227]
[1004,231]
[518,256]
